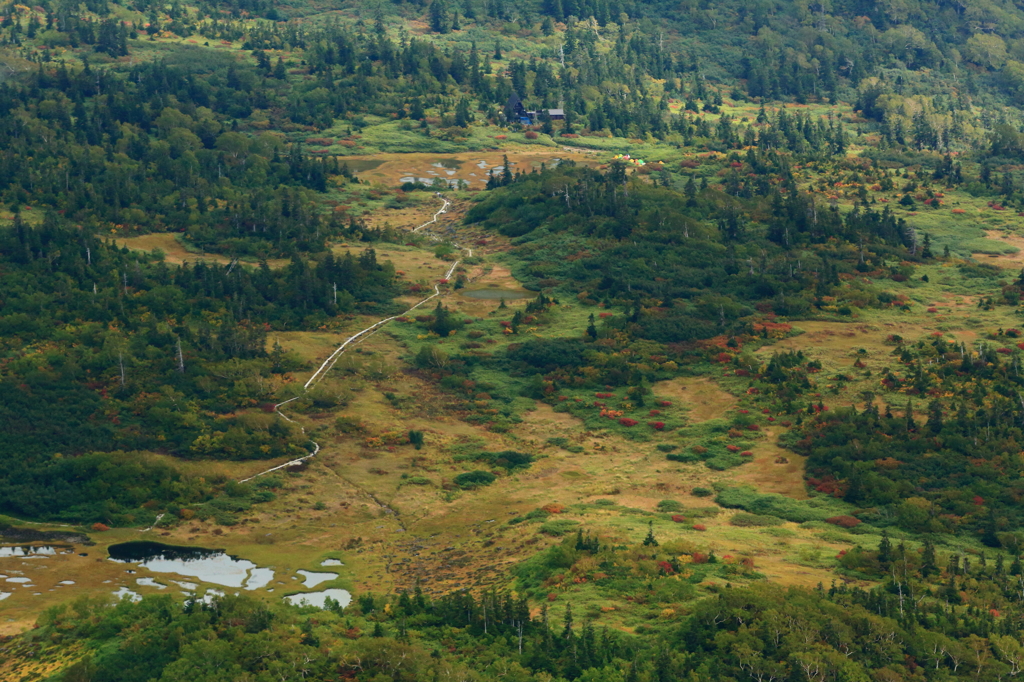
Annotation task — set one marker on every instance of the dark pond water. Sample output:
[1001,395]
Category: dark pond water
[209,565]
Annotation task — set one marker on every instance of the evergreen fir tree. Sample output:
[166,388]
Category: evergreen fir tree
[934,423]
[650,540]
[885,550]
[567,632]
[928,565]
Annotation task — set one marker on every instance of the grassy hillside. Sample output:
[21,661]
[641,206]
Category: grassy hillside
[724,383]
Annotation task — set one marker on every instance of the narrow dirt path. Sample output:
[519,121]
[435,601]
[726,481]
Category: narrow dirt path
[356,338]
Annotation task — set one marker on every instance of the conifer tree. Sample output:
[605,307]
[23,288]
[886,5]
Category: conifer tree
[650,540]
[885,550]
[928,565]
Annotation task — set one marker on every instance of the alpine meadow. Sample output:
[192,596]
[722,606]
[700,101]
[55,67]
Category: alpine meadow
[538,341]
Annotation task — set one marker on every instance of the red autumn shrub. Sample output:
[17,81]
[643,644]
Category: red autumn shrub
[753,427]
[530,135]
[626,421]
[604,395]
[664,403]
[746,453]
[553,508]
[501,137]
[678,519]
[933,310]
[100,527]
[657,426]
[699,526]
[654,413]
[699,557]
[551,595]
[843,521]
[1004,351]
[666,567]
[722,358]
[732,448]
[605,315]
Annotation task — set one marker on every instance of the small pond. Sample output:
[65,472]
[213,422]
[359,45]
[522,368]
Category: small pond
[313,579]
[209,565]
[497,294]
[26,551]
[125,592]
[453,164]
[318,599]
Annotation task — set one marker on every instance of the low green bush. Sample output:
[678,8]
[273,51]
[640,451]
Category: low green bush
[771,504]
[748,520]
[474,479]
[506,459]
[558,527]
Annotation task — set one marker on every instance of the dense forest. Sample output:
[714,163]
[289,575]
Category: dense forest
[108,350]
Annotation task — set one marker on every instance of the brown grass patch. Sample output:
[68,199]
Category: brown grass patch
[175,252]
[1011,261]
[396,166]
[768,476]
[702,397]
